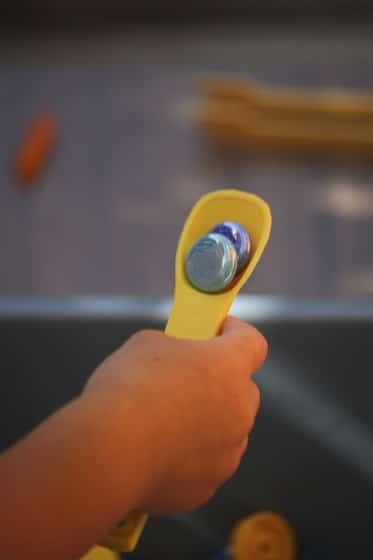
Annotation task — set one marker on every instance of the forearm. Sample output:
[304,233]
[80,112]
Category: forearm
[66,484]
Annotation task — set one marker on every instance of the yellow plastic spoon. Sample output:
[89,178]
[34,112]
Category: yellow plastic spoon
[99,553]
[197,315]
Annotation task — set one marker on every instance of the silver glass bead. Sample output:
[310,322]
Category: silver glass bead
[211,264]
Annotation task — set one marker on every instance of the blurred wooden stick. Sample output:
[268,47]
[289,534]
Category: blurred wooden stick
[233,128]
[292,103]
[245,117]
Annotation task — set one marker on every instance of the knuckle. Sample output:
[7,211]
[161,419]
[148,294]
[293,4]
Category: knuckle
[147,339]
[254,397]
[252,349]
[245,410]
[147,335]
[242,447]
[230,465]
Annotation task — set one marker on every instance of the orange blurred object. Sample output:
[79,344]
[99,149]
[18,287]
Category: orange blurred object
[36,148]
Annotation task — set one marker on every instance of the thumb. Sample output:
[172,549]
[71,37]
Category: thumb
[233,325]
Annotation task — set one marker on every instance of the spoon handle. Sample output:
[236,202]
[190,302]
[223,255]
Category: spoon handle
[125,537]
[181,324]
[197,317]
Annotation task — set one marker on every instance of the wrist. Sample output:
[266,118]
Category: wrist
[125,442]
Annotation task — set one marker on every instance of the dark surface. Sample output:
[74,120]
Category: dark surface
[85,13]
[311,453]
[131,161]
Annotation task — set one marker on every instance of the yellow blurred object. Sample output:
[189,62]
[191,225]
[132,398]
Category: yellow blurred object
[100,553]
[247,116]
[198,315]
[263,536]
[293,103]
[126,536]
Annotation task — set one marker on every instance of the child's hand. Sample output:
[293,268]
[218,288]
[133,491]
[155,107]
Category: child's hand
[159,427]
[189,405]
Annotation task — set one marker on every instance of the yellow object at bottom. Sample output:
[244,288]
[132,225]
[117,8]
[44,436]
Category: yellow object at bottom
[126,536]
[263,536]
[99,553]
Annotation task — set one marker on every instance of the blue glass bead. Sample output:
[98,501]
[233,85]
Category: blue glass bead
[240,238]
[211,263]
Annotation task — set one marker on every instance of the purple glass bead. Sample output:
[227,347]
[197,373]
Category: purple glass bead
[240,238]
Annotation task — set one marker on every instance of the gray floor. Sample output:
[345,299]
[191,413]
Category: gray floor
[310,456]
[131,162]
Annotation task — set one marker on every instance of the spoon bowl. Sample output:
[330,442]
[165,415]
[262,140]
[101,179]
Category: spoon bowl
[197,315]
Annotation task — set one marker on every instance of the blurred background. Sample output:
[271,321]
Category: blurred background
[123,83]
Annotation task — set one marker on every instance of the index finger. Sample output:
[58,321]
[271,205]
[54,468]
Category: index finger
[243,342]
